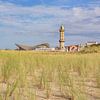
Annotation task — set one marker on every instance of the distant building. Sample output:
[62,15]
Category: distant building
[91,43]
[72,48]
[25,47]
[61,47]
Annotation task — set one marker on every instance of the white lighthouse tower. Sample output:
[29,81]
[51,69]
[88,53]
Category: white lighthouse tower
[62,40]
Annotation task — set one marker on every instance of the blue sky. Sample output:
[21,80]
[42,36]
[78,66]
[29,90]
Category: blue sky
[53,2]
[37,21]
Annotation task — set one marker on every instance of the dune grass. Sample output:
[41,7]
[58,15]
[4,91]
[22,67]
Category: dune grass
[24,74]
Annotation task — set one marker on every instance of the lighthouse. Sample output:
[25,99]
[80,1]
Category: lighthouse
[62,40]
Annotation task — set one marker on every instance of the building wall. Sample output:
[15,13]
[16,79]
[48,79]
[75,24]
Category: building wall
[45,49]
[73,48]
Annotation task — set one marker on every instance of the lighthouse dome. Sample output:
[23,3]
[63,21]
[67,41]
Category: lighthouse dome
[62,27]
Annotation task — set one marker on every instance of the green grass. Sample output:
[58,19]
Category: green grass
[24,73]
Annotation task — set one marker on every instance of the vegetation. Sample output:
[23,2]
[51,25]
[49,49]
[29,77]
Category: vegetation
[91,49]
[49,75]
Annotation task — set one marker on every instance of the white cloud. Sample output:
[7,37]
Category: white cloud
[42,19]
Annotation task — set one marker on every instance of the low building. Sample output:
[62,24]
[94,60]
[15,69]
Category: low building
[91,43]
[26,47]
[45,49]
[72,48]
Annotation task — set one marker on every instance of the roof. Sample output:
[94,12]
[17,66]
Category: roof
[44,44]
[62,27]
[91,42]
[24,47]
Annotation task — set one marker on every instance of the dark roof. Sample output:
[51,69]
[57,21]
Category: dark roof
[26,47]
[91,42]
[44,44]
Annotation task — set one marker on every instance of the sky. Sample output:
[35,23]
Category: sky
[33,22]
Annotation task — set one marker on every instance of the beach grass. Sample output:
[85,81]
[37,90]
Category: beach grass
[30,75]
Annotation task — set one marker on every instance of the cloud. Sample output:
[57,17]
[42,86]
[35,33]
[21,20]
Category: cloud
[43,21]
[95,3]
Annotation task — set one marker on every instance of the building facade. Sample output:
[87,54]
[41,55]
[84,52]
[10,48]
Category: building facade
[72,48]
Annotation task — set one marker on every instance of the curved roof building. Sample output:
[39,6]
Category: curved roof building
[26,47]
